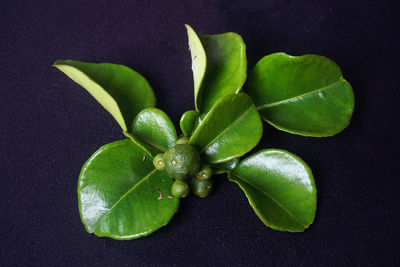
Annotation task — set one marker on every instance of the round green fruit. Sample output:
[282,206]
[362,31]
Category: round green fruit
[204,173]
[158,162]
[180,189]
[202,188]
[181,160]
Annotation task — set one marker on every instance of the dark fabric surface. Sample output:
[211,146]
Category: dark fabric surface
[50,126]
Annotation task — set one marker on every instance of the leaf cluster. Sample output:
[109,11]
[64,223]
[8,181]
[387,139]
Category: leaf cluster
[123,196]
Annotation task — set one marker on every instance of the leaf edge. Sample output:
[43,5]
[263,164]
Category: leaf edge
[253,206]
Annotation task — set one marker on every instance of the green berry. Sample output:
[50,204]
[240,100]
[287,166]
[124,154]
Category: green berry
[182,140]
[202,188]
[180,189]
[158,162]
[204,173]
[181,160]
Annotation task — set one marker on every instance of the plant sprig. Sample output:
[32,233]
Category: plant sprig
[132,187]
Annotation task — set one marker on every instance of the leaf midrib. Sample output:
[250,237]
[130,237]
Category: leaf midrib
[267,195]
[273,104]
[124,195]
[227,128]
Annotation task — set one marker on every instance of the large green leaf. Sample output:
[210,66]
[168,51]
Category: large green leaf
[304,95]
[153,126]
[231,129]
[119,192]
[280,188]
[188,121]
[224,63]
[120,90]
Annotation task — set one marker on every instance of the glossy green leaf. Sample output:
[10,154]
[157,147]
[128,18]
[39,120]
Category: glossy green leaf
[120,90]
[226,166]
[188,121]
[199,60]
[225,67]
[231,128]
[304,95]
[280,187]
[153,126]
[121,195]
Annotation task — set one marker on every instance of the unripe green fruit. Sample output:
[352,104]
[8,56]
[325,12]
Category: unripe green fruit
[158,162]
[181,160]
[204,173]
[182,140]
[180,189]
[202,188]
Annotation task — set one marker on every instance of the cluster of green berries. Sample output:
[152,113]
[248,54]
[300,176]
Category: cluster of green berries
[181,162]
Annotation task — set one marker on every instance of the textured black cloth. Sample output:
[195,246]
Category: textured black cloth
[50,126]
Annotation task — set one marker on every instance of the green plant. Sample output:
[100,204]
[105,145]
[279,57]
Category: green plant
[126,189]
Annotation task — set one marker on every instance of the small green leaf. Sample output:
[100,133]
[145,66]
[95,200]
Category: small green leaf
[304,95]
[223,59]
[199,60]
[120,90]
[188,120]
[226,166]
[121,195]
[153,126]
[280,188]
[231,128]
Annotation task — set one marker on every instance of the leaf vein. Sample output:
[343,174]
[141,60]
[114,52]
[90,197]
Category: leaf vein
[267,195]
[273,104]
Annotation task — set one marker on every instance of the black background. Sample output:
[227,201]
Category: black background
[50,126]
